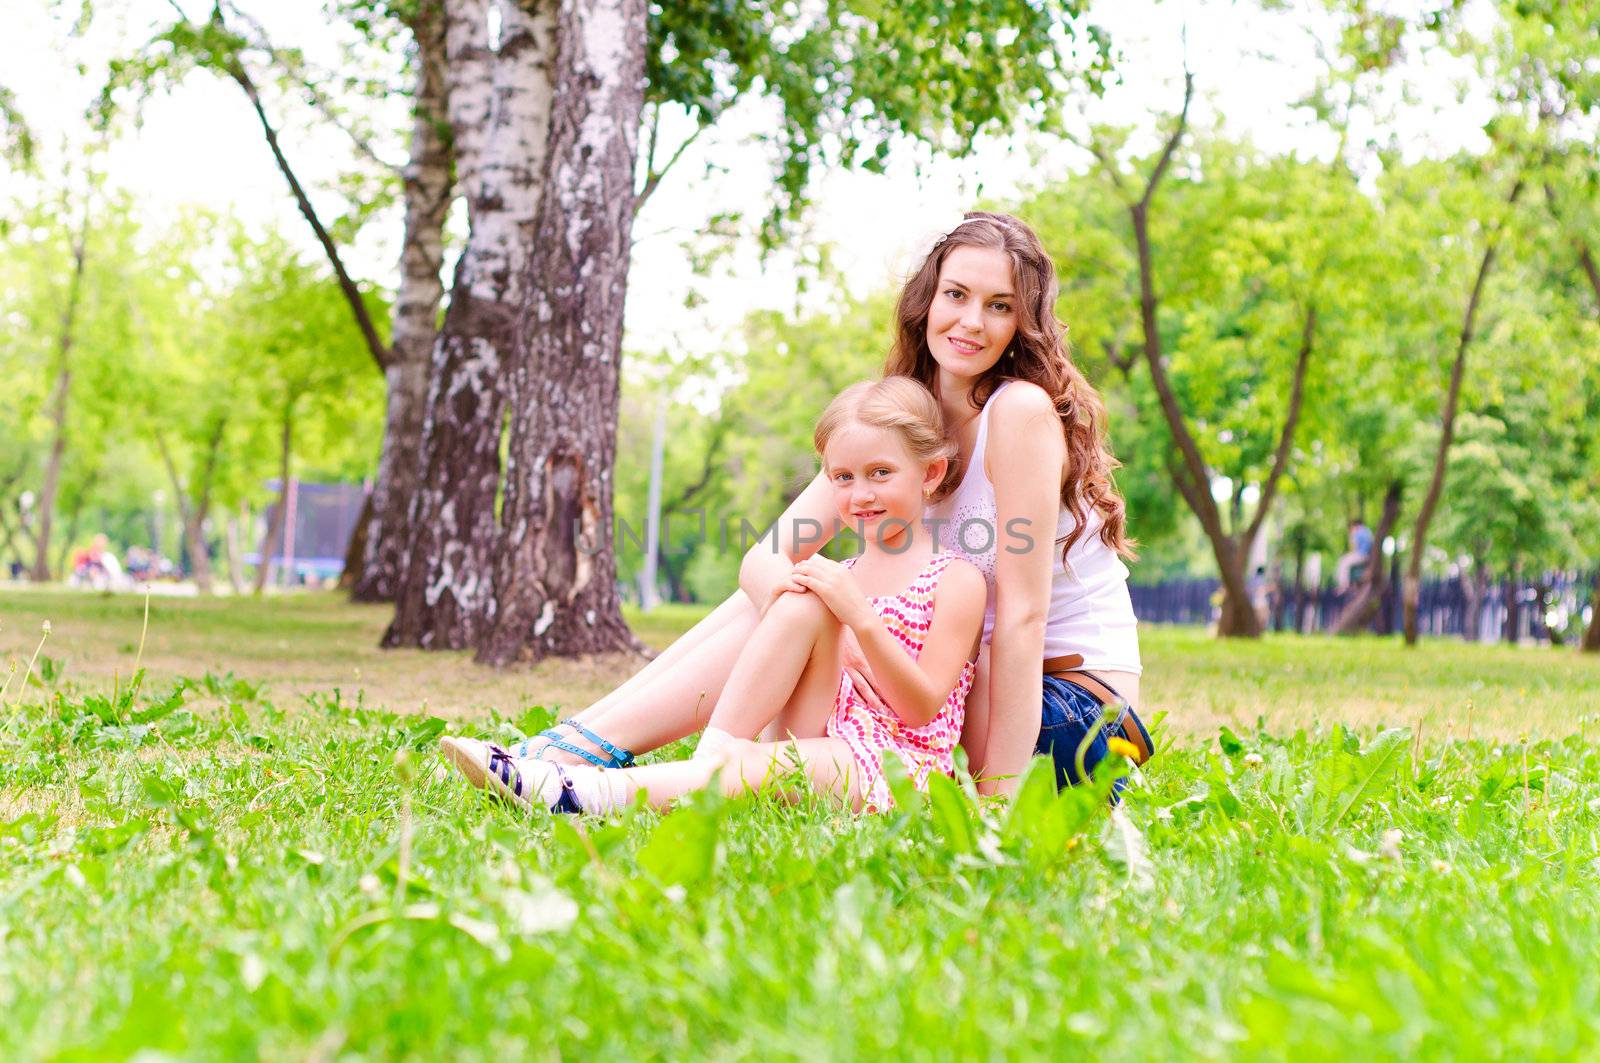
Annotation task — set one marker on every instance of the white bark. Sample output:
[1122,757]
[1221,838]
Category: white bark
[503,191]
[555,589]
[470,63]
[448,584]
[416,317]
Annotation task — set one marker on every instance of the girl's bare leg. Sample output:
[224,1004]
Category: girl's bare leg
[785,679]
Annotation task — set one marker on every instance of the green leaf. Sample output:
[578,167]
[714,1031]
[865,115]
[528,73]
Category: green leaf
[165,706]
[158,791]
[952,813]
[683,849]
[1380,765]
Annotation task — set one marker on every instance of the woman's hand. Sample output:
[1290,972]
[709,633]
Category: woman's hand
[786,585]
[837,588]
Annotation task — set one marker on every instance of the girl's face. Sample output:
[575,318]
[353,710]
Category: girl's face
[879,488]
[973,317]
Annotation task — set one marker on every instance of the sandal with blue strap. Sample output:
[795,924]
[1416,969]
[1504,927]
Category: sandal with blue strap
[615,756]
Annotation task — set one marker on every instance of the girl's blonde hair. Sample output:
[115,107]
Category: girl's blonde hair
[897,403]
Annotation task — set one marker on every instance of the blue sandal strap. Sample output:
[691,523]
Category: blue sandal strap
[620,757]
[567,800]
[520,750]
[577,751]
[616,757]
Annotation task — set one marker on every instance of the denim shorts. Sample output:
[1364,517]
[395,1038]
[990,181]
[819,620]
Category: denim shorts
[1070,714]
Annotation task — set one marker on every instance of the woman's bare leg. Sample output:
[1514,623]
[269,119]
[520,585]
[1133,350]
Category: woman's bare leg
[736,609]
[672,697]
[746,766]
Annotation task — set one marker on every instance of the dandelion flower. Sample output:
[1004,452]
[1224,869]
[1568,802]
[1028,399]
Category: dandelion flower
[1123,747]
[1254,760]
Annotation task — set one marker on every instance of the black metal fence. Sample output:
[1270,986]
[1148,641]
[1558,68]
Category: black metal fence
[1530,609]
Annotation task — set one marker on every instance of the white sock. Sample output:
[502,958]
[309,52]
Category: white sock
[712,739]
[598,790]
[601,791]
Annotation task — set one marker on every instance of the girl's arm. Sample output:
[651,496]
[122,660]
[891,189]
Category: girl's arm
[1025,458]
[805,526]
[915,688]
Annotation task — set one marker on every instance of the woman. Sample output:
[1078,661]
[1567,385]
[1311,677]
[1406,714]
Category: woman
[1029,500]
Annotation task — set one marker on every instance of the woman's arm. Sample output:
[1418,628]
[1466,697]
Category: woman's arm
[916,687]
[1026,454]
[803,529]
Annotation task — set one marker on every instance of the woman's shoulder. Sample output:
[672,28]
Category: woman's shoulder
[1022,399]
[1018,431]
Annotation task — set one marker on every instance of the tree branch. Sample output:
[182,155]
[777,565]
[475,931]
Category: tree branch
[1200,500]
[369,332]
[1579,244]
[1180,479]
[208,476]
[713,449]
[652,176]
[1280,460]
[180,495]
[1447,416]
[1113,353]
[1108,164]
[1172,142]
[320,102]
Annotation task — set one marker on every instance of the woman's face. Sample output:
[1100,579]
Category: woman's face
[879,487]
[973,316]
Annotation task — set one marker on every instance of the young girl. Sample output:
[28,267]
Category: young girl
[916,614]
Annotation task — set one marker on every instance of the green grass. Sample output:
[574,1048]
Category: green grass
[237,872]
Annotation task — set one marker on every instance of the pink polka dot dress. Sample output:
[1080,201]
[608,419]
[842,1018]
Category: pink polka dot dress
[871,732]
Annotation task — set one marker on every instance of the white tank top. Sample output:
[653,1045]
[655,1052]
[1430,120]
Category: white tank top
[1090,611]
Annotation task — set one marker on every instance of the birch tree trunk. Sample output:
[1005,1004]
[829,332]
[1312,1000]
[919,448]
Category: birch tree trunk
[427,184]
[555,572]
[446,585]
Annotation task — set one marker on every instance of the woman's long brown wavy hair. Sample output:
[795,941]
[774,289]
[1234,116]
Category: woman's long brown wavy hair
[1038,353]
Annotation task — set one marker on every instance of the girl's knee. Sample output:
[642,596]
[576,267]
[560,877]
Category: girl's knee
[795,610]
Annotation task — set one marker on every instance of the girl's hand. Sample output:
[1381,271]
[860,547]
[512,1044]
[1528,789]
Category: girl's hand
[861,677]
[837,588]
